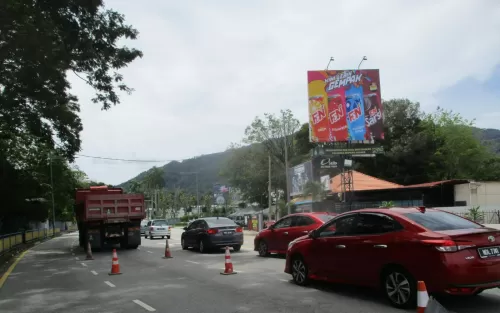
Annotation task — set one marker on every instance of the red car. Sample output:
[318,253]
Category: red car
[394,248]
[276,237]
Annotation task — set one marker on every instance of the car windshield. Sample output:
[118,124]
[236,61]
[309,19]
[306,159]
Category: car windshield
[438,220]
[324,217]
[161,223]
[220,222]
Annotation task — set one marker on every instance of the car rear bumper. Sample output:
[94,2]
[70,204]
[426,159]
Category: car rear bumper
[235,240]
[159,233]
[463,273]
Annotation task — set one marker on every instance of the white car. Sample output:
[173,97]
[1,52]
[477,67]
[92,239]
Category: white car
[158,228]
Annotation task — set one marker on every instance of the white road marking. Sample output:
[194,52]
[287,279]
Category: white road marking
[149,252]
[109,284]
[192,262]
[285,280]
[83,264]
[144,305]
[94,272]
[77,258]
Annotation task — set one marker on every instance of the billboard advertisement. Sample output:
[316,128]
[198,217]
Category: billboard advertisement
[345,105]
[298,177]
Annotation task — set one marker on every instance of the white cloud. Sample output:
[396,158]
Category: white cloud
[210,67]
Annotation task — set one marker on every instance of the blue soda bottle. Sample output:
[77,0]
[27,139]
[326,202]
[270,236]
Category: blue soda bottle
[355,110]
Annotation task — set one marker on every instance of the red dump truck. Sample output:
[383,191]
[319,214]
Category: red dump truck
[107,216]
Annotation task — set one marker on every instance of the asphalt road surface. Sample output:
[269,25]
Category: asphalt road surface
[54,277]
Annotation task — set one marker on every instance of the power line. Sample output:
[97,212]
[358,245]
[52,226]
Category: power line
[123,160]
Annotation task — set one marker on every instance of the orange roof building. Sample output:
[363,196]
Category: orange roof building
[362,182]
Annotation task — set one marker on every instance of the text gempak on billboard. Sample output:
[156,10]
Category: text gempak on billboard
[345,105]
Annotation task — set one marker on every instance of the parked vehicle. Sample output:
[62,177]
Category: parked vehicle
[394,248]
[158,228]
[275,238]
[107,216]
[211,233]
[144,224]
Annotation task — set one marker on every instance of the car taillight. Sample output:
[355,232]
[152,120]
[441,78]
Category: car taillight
[239,229]
[212,231]
[444,245]
[151,228]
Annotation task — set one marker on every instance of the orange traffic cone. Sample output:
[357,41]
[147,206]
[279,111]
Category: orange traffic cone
[422,297]
[167,251]
[228,264]
[115,266]
[89,252]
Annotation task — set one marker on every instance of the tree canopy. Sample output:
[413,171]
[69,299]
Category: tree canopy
[42,42]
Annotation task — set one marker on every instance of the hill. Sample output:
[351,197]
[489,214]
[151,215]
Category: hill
[181,174]
[209,167]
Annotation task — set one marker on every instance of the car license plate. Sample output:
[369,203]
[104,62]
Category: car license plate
[489,252]
[227,232]
[160,228]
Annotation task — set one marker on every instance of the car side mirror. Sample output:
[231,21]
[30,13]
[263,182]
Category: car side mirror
[313,234]
[185,228]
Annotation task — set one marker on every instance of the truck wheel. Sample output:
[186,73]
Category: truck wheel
[133,247]
[168,237]
[162,237]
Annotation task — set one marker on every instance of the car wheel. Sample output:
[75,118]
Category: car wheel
[263,248]
[151,237]
[145,236]
[400,288]
[183,244]
[299,271]
[202,246]
[168,237]
[237,248]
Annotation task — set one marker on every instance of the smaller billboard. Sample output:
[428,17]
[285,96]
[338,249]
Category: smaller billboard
[298,177]
[325,182]
[345,105]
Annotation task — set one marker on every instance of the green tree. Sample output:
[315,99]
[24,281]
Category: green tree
[460,152]
[274,133]
[43,41]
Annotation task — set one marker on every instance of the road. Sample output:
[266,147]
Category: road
[54,277]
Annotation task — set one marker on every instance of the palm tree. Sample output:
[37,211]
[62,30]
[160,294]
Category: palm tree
[315,189]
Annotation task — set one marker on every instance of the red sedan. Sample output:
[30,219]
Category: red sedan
[394,248]
[275,239]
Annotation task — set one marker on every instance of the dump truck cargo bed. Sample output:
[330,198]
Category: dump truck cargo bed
[113,208]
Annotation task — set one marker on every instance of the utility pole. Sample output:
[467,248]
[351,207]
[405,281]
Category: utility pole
[286,167]
[197,196]
[53,202]
[269,190]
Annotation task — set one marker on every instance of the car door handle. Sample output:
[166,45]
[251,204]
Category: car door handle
[285,233]
[380,246]
[340,246]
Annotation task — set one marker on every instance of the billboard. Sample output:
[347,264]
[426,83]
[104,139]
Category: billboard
[345,105]
[298,177]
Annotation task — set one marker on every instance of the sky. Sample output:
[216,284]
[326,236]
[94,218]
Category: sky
[210,67]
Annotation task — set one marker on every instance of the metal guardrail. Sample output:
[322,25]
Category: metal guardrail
[11,241]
